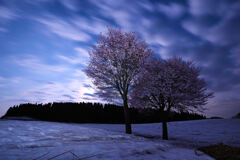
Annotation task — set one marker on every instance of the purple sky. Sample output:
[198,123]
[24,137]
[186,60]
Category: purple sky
[45,43]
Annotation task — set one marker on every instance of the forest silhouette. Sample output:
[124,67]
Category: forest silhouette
[93,113]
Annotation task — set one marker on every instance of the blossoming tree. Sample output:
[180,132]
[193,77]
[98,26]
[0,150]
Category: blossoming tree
[171,84]
[115,62]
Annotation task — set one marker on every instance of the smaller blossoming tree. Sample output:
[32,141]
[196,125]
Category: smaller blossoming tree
[171,84]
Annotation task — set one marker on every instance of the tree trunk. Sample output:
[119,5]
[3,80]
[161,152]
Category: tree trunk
[164,125]
[127,117]
[164,130]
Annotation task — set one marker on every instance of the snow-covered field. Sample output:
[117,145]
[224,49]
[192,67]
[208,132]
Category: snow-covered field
[187,133]
[28,140]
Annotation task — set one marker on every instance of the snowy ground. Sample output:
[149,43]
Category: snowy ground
[30,140]
[187,133]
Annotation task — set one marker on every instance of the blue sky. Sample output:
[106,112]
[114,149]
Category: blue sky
[44,45]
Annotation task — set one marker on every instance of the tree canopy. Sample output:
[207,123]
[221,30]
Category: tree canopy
[170,84]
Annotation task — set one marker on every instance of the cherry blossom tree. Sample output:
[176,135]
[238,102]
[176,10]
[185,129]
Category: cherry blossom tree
[115,62]
[171,84]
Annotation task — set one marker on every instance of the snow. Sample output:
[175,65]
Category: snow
[187,133]
[44,140]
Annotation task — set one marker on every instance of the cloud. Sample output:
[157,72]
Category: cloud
[206,7]
[87,85]
[35,64]
[3,29]
[52,92]
[83,52]
[225,32]
[68,96]
[71,60]
[225,103]
[2,79]
[70,4]
[63,28]
[79,73]
[220,31]
[148,24]
[10,81]
[147,5]
[91,24]
[37,2]
[6,13]
[90,95]
[216,45]
[81,57]
[151,26]
[172,10]
[235,54]
[124,18]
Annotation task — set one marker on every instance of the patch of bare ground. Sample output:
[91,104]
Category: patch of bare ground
[222,151]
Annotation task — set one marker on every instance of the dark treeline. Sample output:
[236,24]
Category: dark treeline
[92,113]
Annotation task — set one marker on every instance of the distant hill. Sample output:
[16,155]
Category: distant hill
[216,118]
[23,118]
[237,116]
[91,113]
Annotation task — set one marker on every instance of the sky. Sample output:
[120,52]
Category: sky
[44,45]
